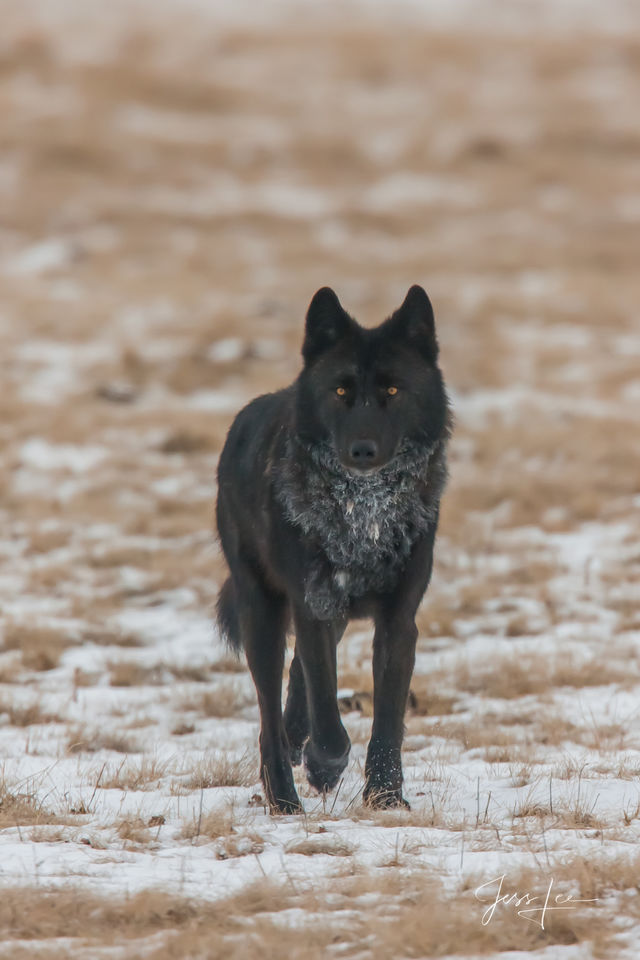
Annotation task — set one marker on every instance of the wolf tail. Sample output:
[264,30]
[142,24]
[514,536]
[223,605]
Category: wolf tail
[227,615]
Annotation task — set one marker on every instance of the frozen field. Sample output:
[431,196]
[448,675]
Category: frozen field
[176,181]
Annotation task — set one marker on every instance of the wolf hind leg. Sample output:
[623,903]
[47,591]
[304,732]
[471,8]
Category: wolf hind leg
[262,618]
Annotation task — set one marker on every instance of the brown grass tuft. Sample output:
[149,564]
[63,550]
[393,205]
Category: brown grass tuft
[112,638]
[26,716]
[134,831]
[212,825]
[143,774]
[40,647]
[19,809]
[90,741]
[222,770]
[226,700]
[522,674]
[186,442]
[229,665]
[183,729]
[328,845]
[127,673]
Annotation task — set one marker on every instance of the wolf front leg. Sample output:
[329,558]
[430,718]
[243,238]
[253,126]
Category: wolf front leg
[326,752]
[296,712]
[263,624]
[394,651]
[394,647]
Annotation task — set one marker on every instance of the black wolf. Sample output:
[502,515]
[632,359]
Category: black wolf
[327,510]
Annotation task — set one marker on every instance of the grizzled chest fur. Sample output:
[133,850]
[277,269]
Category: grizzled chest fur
[363,527]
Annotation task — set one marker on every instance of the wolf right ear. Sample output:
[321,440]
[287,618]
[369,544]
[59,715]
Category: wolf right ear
[415,322]
[327,322]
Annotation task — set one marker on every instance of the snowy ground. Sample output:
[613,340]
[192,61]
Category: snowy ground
[175,183]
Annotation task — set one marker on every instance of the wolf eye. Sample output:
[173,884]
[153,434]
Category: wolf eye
[341,391]
[392,391]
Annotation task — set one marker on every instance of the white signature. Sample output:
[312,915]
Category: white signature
[528,907]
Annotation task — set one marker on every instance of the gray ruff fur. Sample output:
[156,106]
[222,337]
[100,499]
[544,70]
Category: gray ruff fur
[363,527]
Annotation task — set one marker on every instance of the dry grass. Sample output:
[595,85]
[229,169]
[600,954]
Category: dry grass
[483,732]
[212,825]
[183,729]
[10,668]
[134,831]
[598,877]
[426,697]
[426,701]
[81,740]
[544,488]
[575,812]
[424,930]
[606,737]
[20,808]
[185,442]
[143,774]
[21,715]
[108,638]
[30,915]
[128,673]
[424,814]
[85,678]
[192,673]
[327,845]
[226,700]
[40,647]
[227,829]
[221,770]
[522,674]
[420,921]
[240,845]
[229,665]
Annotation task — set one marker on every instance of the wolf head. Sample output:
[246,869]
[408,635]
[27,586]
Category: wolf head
[369,393]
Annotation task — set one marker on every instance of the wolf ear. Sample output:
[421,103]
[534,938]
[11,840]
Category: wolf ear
[326,324]
[414,322]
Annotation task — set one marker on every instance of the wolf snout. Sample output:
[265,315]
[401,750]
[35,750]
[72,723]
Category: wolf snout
[363,453]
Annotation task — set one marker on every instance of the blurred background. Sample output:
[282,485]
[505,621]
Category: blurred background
[176,180]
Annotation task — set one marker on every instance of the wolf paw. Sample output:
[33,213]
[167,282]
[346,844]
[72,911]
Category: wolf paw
[280,790]
[323,771]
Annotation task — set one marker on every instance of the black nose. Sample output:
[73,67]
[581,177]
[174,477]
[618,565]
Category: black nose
[363,452]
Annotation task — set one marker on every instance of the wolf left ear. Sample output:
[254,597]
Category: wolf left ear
[327,322]
[414,322]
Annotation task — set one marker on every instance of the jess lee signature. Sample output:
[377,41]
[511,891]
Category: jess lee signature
[531,908]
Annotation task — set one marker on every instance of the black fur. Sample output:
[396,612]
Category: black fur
[327,509]
[228,617]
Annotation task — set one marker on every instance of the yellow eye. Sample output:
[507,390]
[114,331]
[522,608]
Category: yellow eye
[392,391]
[340,391]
